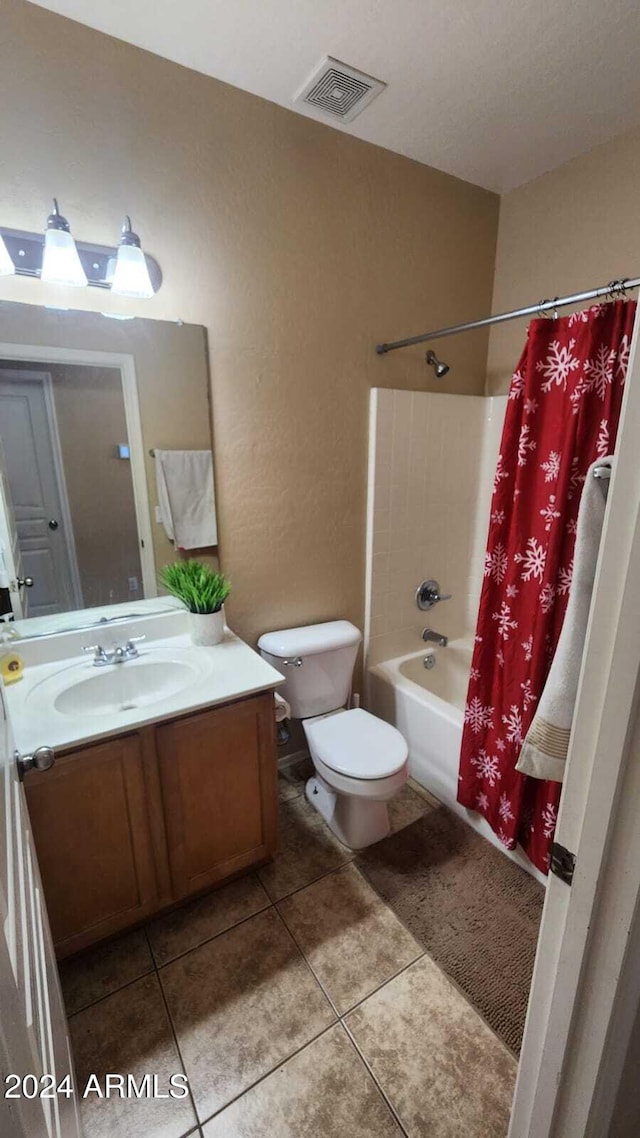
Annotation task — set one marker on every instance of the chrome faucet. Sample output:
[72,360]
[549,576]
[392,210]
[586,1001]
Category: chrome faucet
[118,655]
[431,637]
[428,594]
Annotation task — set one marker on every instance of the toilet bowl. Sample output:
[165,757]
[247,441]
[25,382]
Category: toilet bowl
[360,761]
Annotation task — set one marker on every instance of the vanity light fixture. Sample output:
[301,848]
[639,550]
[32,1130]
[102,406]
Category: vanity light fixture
[7,267]
[131,275]
[60,261]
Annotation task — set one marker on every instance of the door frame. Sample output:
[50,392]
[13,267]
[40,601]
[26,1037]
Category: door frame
[43,378]
[34,1033]
[125,364]
[571,1060]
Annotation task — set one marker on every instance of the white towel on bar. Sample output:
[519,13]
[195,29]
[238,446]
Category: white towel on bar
[184,481]
[545,747]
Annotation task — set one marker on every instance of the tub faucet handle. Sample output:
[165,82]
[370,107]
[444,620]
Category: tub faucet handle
[428,594]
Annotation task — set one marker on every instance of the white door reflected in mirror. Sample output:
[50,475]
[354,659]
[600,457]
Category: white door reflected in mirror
[70,499]
[35,472]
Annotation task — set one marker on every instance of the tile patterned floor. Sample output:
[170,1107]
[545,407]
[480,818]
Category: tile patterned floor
[296,1003]
[351,939]
[240,1005]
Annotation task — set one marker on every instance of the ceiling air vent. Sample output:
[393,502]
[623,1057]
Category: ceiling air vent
[339,90]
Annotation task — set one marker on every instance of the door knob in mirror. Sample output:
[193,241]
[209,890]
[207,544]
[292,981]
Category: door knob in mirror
[24,582]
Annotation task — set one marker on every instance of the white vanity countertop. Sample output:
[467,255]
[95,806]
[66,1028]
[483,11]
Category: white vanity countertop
[228,671]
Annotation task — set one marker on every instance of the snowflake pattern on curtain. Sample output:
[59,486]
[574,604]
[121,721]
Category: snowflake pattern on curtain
[562,413]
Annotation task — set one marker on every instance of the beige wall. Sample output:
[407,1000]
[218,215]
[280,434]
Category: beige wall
[297,246]
[426,522]
[171,376]
[572,229]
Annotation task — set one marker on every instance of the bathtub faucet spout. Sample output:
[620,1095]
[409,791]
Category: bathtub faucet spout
[431,637]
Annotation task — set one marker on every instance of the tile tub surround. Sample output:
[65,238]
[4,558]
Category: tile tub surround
[431,463]
[256,1011]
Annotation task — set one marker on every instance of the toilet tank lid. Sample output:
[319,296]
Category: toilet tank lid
[310,639]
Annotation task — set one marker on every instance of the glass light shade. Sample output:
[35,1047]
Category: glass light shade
[131,276]
[7,267]
[60,262]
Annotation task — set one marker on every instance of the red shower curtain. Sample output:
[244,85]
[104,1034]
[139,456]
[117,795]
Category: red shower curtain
[562,414]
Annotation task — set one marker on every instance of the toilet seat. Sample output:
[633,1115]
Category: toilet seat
[357,744]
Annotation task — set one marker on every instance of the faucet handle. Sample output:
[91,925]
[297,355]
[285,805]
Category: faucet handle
[99,654]
[130,649]
[428,594]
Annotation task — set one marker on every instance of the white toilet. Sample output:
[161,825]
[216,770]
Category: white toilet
[360,761]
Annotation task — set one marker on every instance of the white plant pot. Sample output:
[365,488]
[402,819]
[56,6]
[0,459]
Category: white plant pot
[207,628]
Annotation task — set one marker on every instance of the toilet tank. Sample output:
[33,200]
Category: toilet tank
[317,663]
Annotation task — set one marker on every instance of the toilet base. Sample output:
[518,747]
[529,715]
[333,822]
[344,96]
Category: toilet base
[356,822]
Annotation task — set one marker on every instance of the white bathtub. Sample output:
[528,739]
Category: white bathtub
[427,706]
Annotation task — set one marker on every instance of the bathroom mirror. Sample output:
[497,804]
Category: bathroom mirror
[84,401]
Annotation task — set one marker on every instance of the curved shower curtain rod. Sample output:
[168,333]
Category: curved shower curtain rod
[613,289]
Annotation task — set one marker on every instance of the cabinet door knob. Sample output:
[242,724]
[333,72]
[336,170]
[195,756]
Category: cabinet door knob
[42,759]
[24,582]
[53,524]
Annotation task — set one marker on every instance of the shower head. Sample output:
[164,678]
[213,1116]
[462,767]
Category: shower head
[439,366]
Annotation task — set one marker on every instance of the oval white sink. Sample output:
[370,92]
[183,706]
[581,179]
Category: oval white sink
[118,687]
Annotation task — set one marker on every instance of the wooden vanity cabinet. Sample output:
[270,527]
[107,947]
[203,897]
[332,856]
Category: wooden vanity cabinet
[218,776]
[91,828]
[131,825]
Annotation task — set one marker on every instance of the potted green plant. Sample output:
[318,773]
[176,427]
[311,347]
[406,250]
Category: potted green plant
[203,591]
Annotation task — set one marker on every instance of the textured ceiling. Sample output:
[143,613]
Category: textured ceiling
[493,91]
